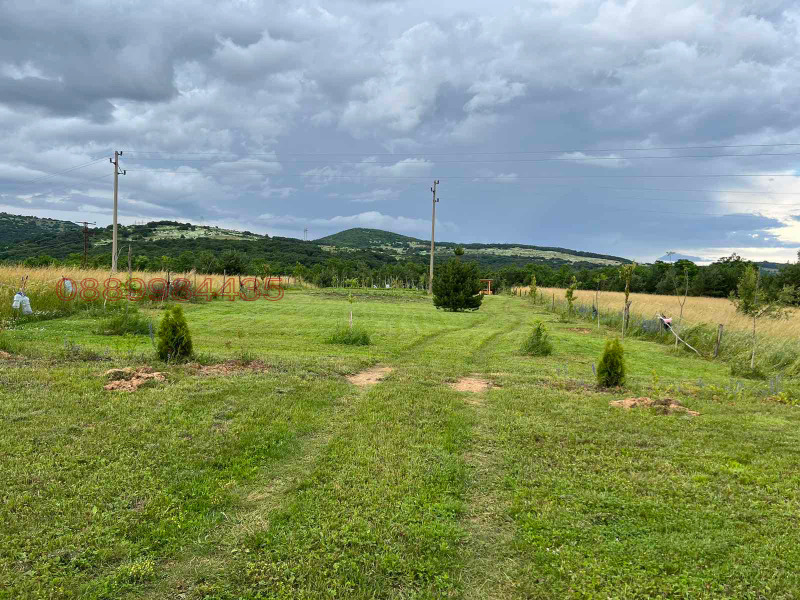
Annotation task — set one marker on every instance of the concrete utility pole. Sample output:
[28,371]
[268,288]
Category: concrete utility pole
[670,253]
[85,241]
[305,234]
[433,234]
[115,162]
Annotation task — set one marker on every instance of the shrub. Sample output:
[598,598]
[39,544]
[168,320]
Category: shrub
[611,370]
[174,340]
[350,336]
[538,342]
[129,321]
[456,286]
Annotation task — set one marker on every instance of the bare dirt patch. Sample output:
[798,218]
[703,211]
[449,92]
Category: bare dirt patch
[129,379]
[664,405]
[472,384]
[370,376]
[583,330]
[5,356]
[229,367]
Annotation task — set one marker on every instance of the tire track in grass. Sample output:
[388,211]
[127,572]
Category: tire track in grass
[492,561]
[205,561]
[375,514]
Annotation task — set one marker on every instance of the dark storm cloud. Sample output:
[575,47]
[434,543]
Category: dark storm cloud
[303,100]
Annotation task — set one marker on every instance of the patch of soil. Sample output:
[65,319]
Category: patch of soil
[664,405]
[370,376]
[129,379]
[229,367]
[471,384]
[583,330]
[5,356]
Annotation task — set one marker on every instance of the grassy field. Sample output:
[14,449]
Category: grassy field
[697,309]
[285,480]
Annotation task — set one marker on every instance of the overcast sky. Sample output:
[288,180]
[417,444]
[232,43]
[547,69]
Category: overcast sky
[546,122]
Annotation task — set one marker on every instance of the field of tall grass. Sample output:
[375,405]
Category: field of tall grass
[777,350]
[697,310]
[49,299]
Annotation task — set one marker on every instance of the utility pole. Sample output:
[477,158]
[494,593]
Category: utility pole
[433,234]
[85,241]
[115,162]
[305,234]
[670,253]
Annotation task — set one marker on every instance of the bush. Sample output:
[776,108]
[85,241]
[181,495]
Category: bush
[174,340]
[456,286]
[611,370]
[350,336]
[538,342]
[129,321]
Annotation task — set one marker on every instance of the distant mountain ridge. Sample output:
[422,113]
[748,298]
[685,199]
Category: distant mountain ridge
[364,239]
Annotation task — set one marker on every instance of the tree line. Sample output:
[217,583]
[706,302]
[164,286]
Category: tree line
[361,268]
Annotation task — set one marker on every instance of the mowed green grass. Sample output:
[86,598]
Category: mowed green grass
[290,482]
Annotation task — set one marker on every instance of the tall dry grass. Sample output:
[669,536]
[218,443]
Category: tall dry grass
[696,311]
[42,283]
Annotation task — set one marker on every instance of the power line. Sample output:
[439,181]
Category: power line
[76,167]
[515,152]
[497,178]
[661,212]
[482,161]
[73,184]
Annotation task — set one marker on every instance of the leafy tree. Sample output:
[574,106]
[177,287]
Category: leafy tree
[569,294]
[233,262]
[625,275]
[611,370]
[534,292]
[752,300]
[456,286]
[174,340]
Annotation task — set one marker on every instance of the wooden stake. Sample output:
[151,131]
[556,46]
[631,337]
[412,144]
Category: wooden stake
[719,340]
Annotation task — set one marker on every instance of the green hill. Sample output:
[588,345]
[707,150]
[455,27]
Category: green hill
[28,237]
[18,228]
[404,246]
[362,237]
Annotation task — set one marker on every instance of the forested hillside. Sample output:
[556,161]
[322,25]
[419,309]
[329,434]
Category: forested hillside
[16,228]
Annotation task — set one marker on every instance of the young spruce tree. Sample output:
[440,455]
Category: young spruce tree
[174,340]
[611,370]
[457,286]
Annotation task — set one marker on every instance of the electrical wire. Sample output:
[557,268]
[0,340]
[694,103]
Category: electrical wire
[514,152]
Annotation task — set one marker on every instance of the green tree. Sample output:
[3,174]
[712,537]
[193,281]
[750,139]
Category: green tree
[569,294]
[233,262]
[456,286]
[174,340]
[533,290]
[751,300]
[611,370]
[538,342]
[626,274]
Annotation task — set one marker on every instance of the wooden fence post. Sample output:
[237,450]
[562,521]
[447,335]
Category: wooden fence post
[719,340]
